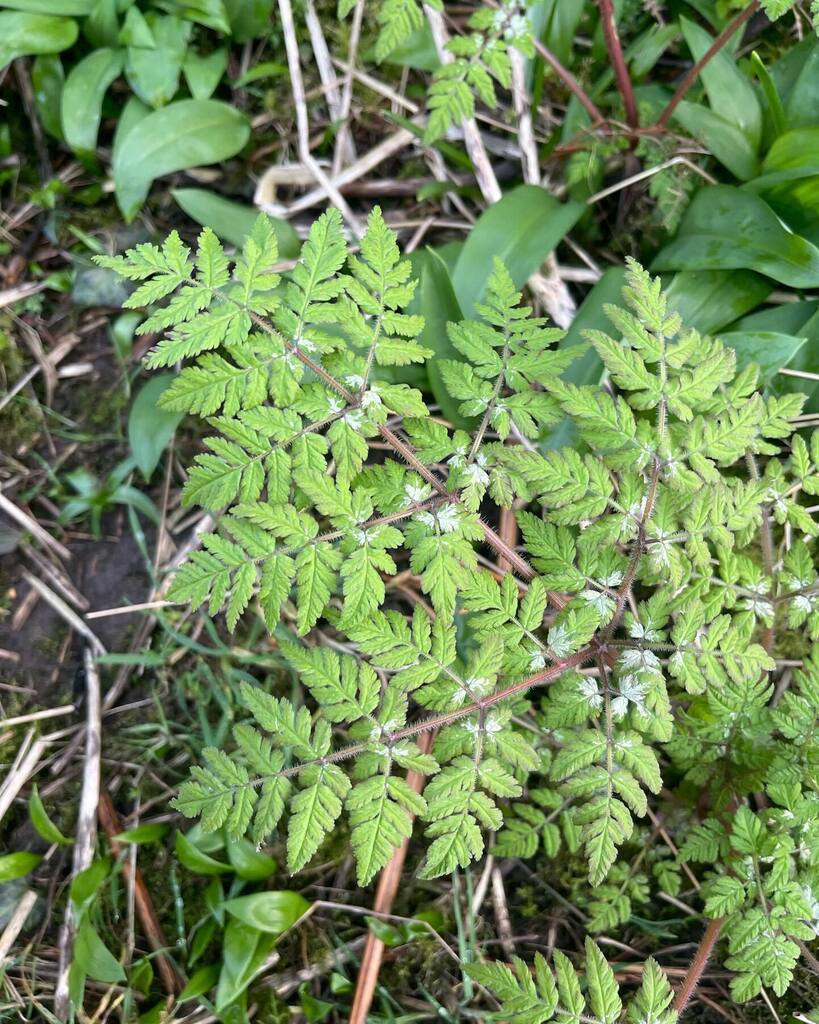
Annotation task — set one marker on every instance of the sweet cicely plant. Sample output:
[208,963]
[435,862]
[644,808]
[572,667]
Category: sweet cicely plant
[627,644]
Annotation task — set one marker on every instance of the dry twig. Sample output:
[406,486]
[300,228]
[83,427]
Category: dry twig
[86,835]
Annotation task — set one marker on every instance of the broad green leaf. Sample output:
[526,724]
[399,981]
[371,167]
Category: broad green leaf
[248,18]
[726,228]
[708,300]
[417,51]
[588,369]
[796,151]
[270,911]
[798,319]
[141,834]
[210,13]
[789,180]
[101,28]
[67,8]
[802,103]
[22,34]
[87,883]
[133,112]
[204,72]
[591,316]
[555,23]
[776,111]
[94,958]
[153,66]
[730,93]
[244,950]
[521,230]
[47,79]
[770,350]
[81,105]
[16,865]
[200,982]
[726,142]
[233,221]
[185,134]
[151,427]
[647,48]
[195,860]
[248,862]
[437,304]
[44,826]
[265,69]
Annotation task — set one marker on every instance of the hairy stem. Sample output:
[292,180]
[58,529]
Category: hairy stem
[698,964]
[434,722]
[694,73]
[639,549]
[615,51]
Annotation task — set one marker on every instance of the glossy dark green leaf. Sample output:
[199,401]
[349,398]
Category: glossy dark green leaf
[204,72]
[802,104]
[770,350]
[272,912]
[724,140]
[154,72]
[790,179]
[591,316]
[132,113]
[200,982]
[87,883]
[708,300]
[16,865]
[795,318]
[243,952]
[727,228]
[142,834]
[43,825]
[776,111]
[81,105]
[233,221]
[67,8]
[185,134]
[195,860]
[210,13]
[247,861]
[314,1010]
[390,934]
[587,368]
[729,91]
[266,69]
[647,49]
[101,27]
[47,79]
[794,151]
[22,33]
[417,51]
[790,317]
[521,229]
[94,958]
[141,975]
[436,302]
[151,428]
[248,18]
[555,23]
[136,31]
[121,332]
